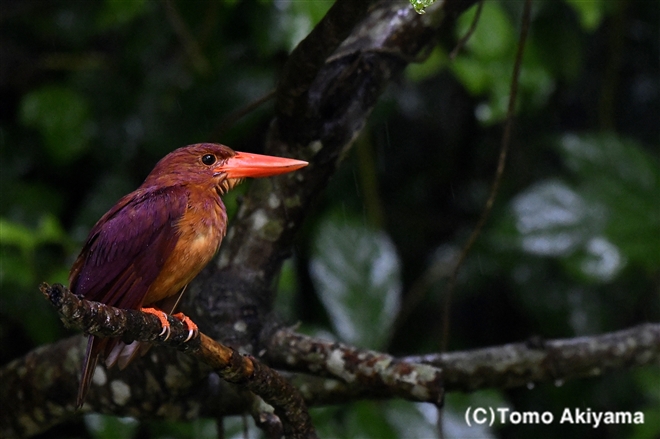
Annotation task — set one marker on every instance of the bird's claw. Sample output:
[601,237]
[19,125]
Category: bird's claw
[163,321]
[191,333]
[193,330]
[166,332]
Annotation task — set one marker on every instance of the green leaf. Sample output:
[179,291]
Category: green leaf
[59,275]
[48,231]
[492,77]
[472,74]
[62,117]
[650,429]
[485,67]
[609,217]
[356,272]
[494,36]
[552,219]
[17,248]
[606,157]
[18,235]
[622,177]
[590,12]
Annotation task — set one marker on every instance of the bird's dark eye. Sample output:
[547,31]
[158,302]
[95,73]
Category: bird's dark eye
[208,159]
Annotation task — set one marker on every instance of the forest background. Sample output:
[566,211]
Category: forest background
[92,94]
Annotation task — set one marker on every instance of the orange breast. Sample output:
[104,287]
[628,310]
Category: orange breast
[200,230]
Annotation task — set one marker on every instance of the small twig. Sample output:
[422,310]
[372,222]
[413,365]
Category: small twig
[461,43]
[107,321]
[506,140]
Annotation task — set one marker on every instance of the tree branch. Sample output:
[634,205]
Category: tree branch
[106,321]
[334,92]
[319,114]
[368,374]
[518,364]
[304,62]
[377,371]
[39,389]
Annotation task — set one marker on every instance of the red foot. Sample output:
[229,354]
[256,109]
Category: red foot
[192,327]
[163,320]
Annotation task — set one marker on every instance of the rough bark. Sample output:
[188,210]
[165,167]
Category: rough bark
[132,325]
[167,384]
[501,367]
[320,109]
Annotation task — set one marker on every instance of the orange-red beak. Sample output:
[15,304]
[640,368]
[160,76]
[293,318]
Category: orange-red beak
[244,164]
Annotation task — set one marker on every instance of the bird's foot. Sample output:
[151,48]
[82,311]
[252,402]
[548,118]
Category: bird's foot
[193,330]
[162,316]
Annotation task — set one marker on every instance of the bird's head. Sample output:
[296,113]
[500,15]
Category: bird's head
[216,166]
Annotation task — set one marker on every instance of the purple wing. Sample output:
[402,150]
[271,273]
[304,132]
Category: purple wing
[127,248]
[123,255]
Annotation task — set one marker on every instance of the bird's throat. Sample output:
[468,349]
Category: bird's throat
[226,185]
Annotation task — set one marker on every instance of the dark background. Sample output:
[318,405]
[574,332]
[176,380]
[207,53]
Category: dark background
[92,94]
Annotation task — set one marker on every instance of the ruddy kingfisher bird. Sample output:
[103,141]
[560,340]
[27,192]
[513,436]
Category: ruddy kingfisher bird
[144,251]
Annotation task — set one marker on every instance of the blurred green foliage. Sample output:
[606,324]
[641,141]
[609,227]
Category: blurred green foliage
[487,65]
[110,427]
[600,217]
[357,275]
[590,13]
[94,93]
[62,118]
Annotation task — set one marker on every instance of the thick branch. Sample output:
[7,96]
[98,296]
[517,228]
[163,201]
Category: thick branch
[39,390]
[507,366]
[376,371]
[307,58]
[333,93]
[518,364]
[99,319]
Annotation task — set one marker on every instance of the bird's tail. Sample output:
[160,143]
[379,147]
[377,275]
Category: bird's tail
[95,346]
[123,354]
